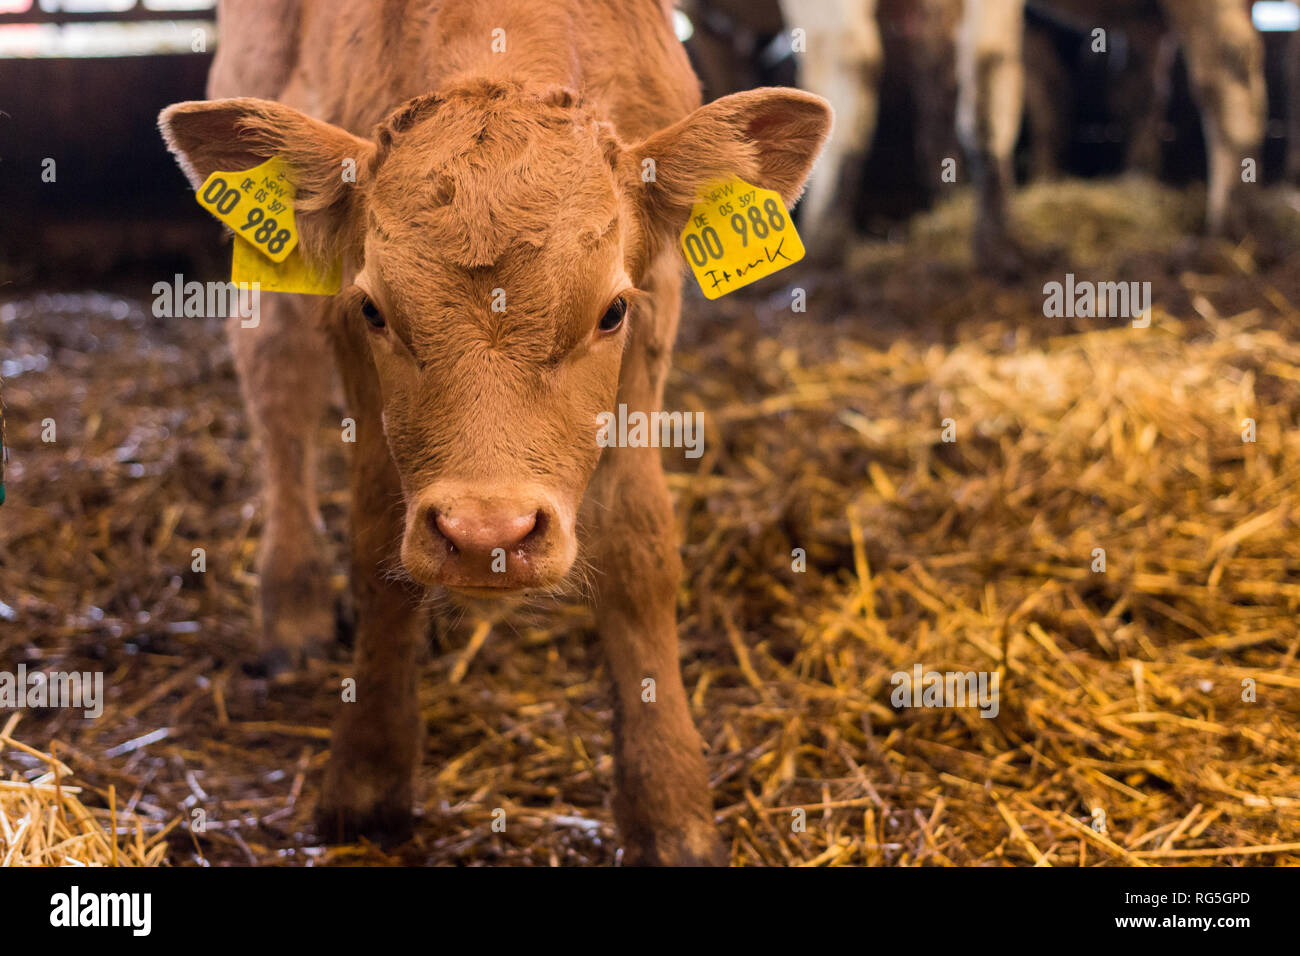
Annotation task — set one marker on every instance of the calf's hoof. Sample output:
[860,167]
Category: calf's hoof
[693,846]
[383,826]
[299,620]
[352,808]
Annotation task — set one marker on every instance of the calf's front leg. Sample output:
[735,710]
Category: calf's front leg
[661,801]
[376,741]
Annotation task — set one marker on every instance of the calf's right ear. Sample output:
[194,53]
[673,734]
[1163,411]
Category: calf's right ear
[238,134]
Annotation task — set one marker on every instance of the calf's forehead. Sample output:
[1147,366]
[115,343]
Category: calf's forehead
[470,189]
[544,294]
[536,297]
[498,225]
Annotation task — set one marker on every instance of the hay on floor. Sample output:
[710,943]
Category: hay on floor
[1149,713]
[43,821]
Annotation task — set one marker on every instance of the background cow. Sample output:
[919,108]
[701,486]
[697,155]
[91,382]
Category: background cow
[1224,58]
[975,58]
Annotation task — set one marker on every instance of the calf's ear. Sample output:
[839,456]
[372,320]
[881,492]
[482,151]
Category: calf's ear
[238,134]
[768,137]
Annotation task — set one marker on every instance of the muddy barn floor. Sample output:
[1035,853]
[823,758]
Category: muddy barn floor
[1122,738]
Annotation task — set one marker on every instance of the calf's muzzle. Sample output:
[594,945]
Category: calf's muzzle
[478,539]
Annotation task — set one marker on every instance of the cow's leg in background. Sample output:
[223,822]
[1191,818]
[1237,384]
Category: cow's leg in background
[990,102]
[934,89]
[284,370]
[842,63]
[662,803]
[375,745]
[1147,91]
[1225,63]
[1293,110]
[1047,90]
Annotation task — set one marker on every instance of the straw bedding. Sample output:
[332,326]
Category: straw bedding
[1149,713]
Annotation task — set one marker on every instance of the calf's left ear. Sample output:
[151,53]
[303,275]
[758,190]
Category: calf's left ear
[769,137]
[237,134]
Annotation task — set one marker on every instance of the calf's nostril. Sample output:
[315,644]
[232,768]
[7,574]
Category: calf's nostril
[538,529]
[524,527]
[442,531]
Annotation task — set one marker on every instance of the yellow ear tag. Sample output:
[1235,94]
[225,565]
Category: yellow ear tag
[294,274]
[257,204]
[738,234]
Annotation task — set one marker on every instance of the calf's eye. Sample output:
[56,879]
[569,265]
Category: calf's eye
[372,313]
[613,316]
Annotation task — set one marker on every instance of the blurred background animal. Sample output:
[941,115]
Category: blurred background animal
[1018,83]
[1225,63]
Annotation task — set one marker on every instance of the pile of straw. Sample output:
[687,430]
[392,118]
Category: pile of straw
[44,823]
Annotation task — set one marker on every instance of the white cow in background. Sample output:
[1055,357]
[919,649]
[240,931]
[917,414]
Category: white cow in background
[841,61]
[843,56]
[1225,62]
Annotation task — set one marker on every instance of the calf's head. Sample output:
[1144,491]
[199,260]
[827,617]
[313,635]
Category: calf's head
[493,236]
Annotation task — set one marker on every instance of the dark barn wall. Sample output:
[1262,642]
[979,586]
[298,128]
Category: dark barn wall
[118,202]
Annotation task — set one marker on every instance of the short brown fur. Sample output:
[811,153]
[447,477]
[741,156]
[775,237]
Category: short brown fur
[482,176]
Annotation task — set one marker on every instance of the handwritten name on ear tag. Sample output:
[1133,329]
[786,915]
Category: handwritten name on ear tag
[257,204]
[738,234]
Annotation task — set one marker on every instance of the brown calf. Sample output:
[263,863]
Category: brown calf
[507,167]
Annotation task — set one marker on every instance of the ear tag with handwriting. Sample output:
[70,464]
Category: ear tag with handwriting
[738,234]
